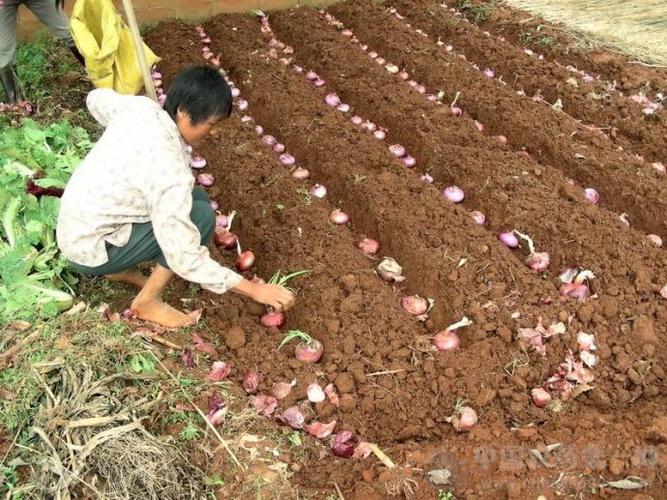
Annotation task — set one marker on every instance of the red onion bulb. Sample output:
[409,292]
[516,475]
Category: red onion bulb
[245,261]
[224,238]
[591,195]
[300,174]
[538,261]
[332,100]
[309,352]
[446,341]
[409,161]
[205,179]
[269,140]
[287,159]
[540,397]
[251,381]
[369,246]
[509,239]
[454,194]
[465,420]
[318,191]
[655,239]
[478,217]
[197,162]
[415,305]
[397,150]
[338,217]
[273,319]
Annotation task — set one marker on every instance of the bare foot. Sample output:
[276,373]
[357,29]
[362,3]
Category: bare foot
[133,277]
[161,313]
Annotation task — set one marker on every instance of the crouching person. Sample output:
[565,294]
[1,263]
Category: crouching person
[133,199]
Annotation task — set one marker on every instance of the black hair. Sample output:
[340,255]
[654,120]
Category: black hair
[201,92]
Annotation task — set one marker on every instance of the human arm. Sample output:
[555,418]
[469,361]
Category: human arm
[170,205]
[274,296]
[179,240]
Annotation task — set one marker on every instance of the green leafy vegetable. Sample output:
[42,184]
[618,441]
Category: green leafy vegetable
[34,281]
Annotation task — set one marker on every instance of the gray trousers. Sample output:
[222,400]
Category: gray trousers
[45,10]
[143,247]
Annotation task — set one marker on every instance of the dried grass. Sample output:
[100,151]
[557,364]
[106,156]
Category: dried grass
[91,439]
[637,29]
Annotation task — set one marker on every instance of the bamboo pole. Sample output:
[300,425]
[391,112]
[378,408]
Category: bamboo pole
[139,49]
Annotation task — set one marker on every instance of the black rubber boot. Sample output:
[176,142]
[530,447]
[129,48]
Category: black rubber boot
[10,84]
[77,54]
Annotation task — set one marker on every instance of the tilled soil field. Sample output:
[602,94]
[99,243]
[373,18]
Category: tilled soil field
[395,390]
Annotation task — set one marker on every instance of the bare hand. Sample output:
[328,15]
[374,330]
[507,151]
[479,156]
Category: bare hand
[278,297]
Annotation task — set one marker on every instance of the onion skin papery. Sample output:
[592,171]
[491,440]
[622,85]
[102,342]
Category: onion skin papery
[508,239]
[454,194]
[339,217]
[245,261]
[318,191]
[446,341]
[369,246]
[478,217]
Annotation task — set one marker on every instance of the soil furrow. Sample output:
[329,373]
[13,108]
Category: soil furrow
[357,317]
[589,102]
[516,192]
[627,184]
[525,30]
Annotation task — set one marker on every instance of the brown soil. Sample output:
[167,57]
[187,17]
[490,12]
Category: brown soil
[553,40]
[593,103]
[358,317]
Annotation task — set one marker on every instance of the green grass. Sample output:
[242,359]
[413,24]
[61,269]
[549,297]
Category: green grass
[477,13]
[36,61]
[53,80]
[529,37]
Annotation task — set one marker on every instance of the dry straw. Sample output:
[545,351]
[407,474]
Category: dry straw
[637,28]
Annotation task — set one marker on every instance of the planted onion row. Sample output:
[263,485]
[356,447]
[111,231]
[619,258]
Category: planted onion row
[451,193]
[391,68]
[454,193]
[649,107]
[489,73]
[223,235]
[414,304]
[285,158]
